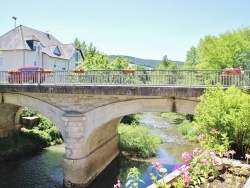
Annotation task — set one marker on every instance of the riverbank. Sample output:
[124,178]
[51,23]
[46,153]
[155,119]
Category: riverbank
[16,146]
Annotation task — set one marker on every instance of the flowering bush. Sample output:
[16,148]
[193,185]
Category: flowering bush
[215,141]
[199,167]
[233,71]
[161,172]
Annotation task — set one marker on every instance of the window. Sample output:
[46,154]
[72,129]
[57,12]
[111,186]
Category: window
[76,57]
[63,65]
[57,51]
[1,61]
[55,63]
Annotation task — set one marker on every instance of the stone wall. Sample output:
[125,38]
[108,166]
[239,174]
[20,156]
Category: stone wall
[7,119]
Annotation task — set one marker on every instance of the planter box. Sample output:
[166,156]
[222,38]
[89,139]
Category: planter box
[78,71]
[127,71]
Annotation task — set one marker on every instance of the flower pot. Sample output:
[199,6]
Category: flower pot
[47,71]
[169,75]
[127,71]
[78,71]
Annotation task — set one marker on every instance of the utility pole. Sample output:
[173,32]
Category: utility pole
[14,40]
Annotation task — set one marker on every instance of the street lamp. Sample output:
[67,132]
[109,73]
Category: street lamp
[14,40]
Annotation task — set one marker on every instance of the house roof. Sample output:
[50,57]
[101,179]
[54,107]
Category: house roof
[48,42]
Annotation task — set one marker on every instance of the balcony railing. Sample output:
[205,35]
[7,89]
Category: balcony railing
[138,77]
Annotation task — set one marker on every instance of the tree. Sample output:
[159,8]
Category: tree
[120,63]
[227,111]
[230,49]
[81,45]
[191,58]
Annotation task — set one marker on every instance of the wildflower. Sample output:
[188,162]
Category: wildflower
[247,156]
[212,154]
[163,170]
[203,162]
[118,185]
[226,154]
[157,165]
[187,156]
[213,131]
[177,167]
[186,177]
[201,137]
[232,152]
[196,152]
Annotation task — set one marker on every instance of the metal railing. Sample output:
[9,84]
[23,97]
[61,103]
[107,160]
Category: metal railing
[138,77]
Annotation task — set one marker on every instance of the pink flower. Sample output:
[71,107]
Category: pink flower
[232,152]
[196,152]
[212,155]
[177,167]
[187,156]
[157,165]
[213,131]
[226,154]
[247,156]
[201,137]
[118,185]
[203,162]
[186,177]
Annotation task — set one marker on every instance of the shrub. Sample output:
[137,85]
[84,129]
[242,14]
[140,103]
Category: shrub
[189,130]
[129,119]
[138,140]
[226,111]
[45,132]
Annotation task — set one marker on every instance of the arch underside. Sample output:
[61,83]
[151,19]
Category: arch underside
[52,113]
[102,122]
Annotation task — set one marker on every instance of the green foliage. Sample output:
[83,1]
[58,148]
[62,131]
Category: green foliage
[167,64]
[120,63]
[93,59]
[191,58]
[38,136]
[133,178]
[45,132]
[189,130]
[129,119]
[28,113]
[226,111]
[138,140]
[230,49]
[215,141]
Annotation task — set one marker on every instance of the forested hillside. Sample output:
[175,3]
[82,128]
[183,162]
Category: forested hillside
[143,62]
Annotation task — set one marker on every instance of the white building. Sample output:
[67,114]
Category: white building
[25,46]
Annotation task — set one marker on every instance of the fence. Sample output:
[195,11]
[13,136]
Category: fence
[128,77]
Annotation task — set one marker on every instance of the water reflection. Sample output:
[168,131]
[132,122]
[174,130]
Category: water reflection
[39,169]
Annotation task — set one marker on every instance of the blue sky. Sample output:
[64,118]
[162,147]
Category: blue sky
[146,29]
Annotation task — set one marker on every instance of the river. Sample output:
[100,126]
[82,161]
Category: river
[44,168]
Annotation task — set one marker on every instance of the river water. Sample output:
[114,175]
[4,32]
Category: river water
[44,168]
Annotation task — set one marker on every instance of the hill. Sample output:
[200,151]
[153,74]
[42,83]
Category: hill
[143,62]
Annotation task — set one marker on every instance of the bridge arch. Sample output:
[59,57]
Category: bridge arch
[99,117]
[52,113]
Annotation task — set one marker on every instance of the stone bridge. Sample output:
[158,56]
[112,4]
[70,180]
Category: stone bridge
[87,117]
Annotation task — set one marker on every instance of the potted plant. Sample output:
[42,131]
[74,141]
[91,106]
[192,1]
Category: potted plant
[47,71]
[78,70]
[127,71]
[12,71]
[233,71]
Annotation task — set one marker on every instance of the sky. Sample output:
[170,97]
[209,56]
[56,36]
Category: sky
[148,29]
